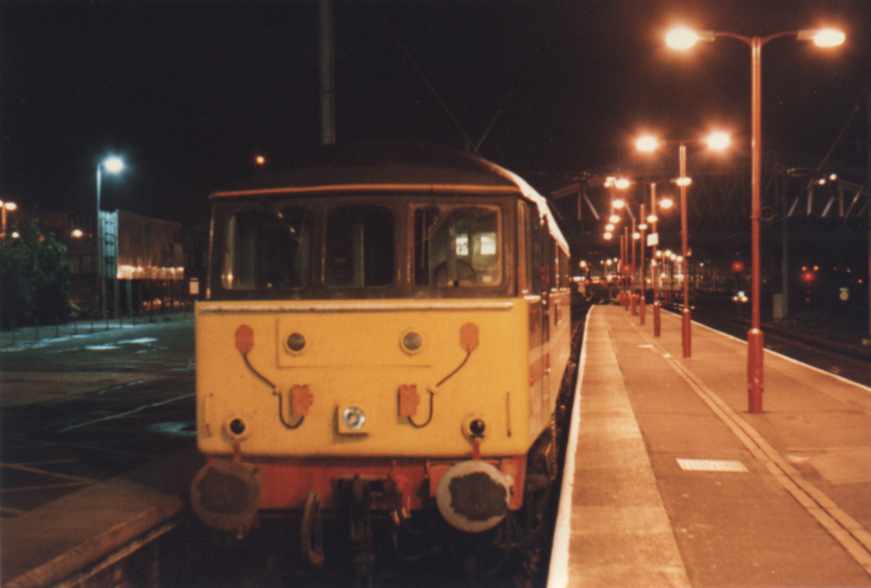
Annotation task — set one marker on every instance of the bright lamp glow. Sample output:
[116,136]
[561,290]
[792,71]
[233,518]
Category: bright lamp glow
[646,143]
[113,164]
[10,206]
[681,38]
[636,235]
[642,226]
[609,227]
[622,183]
[618,203]
[614,219]
[683,181]
[718,140]
[651,218]
[607,236]
[829,37]
[666,203]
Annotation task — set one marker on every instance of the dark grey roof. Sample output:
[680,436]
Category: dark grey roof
[381,163]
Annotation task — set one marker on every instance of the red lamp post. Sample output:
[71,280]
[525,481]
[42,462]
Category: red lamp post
[683,38]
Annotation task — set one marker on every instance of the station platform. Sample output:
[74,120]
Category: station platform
[64,542]
[669,481]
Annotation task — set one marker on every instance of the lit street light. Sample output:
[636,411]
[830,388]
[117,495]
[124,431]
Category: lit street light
[622,183]
[646,143]
[113,165]
[5,208]
[683,38]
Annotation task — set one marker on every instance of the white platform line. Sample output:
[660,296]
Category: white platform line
[558,571]
[782,356]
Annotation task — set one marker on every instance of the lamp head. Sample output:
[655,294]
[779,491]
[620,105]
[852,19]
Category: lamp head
[683,38]
[646,143]
[826,37]
[622,183]
[113,164]
[718,140]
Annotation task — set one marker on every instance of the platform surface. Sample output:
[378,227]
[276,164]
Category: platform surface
[669,480]
[45,545]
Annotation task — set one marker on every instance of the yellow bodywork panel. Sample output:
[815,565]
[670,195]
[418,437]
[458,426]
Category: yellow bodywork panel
[353,357]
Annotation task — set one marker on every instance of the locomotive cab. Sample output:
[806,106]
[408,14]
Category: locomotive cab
[384,327]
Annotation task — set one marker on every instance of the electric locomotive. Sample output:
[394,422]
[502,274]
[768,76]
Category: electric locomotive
[383,332]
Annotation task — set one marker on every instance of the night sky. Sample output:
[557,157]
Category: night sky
[189,92]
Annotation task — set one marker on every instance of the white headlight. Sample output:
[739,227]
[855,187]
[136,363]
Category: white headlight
[354,417]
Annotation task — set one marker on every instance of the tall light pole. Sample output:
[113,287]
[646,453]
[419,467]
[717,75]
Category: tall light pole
[113,165]
[642,227]
[683,38]
[653,219]
[683,181]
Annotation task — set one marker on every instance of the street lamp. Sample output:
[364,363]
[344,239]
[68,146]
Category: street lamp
[717,141]
[113,165]
[5,208]
[683,38]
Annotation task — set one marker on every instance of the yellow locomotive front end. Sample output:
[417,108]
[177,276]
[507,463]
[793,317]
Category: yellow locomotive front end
[332,379]
[376,342]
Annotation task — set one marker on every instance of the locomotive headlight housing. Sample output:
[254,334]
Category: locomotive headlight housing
[352,420]
[236,427]
[411,341]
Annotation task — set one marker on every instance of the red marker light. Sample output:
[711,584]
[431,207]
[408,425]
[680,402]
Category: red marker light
[244,339]
[409,400]
[469,337]
[301,399]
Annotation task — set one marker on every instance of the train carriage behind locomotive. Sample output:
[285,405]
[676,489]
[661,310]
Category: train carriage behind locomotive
[388,323]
